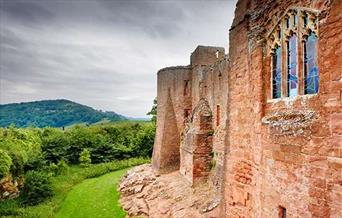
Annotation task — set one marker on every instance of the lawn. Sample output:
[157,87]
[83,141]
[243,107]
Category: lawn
[94,198]
[68,183]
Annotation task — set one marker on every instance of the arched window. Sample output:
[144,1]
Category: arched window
[292,67]
[310,65]
[292,49]
[276,72]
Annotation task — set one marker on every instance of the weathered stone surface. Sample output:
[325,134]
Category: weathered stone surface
[167,195]
[9,188]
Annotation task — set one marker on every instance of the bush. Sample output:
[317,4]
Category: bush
[37,188]
[5,163]
[21,145]
[53,169]
[84,159]
[36,163]
[54,145]
[35,149]
[62,167]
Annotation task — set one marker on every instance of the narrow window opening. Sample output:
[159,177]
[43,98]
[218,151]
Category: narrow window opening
[186,88]
[186,113]
[282,212]
[292,72]
[218,115]
[305,20]
[217,54]
[287,22]
[276,73]
[310,65]
[279,33]
[295,20]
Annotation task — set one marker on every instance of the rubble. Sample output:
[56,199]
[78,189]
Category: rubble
[145,194]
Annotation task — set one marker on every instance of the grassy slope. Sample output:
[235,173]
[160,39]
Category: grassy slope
[93,198]
[62,185]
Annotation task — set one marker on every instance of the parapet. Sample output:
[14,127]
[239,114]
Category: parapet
[174,68]
[206,55]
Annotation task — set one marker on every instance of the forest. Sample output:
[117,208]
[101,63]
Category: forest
[52,113]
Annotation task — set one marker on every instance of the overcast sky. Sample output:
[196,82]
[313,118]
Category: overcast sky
[102,53]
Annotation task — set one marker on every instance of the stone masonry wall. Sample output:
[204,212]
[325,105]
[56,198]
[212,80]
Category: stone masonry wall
[268,169]
[269,157]
[205,78]
[170,117]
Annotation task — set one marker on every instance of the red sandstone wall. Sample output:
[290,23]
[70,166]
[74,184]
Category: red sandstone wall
[216,82]
[265,168]
[170,117]
[207,76]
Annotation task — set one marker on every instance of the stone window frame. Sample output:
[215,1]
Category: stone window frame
[279,36]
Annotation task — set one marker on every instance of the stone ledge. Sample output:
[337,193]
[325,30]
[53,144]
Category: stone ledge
[290,122]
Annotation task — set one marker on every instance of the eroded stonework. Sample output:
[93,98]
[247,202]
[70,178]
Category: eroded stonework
[265,157]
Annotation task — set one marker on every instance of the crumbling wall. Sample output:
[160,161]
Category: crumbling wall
[206,78]
[197,145]
[172,101]
[210,83]
[283,154]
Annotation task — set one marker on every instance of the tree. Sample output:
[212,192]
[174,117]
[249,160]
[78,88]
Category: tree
[153,111]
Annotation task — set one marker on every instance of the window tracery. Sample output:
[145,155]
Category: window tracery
[293,46]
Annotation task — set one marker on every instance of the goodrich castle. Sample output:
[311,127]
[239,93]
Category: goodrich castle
[263,123]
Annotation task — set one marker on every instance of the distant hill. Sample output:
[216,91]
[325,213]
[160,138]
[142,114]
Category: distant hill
[53,113]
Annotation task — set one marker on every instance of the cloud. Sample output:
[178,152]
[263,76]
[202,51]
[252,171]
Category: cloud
[104,54]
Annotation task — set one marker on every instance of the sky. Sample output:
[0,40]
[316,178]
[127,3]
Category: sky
[102,53]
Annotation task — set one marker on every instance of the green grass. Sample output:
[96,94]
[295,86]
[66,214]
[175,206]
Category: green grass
[94,198]
[62,185]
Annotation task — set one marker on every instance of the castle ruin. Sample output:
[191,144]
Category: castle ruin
[263,123]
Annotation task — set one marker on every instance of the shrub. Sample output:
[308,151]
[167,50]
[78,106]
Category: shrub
[54,145]
[53,169]
[62,167]
[36,163]
[37,188]
[9,208]
[84,159]
[21,145]
[144,141]
[5,163]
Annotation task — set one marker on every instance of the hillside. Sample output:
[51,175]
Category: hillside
[53,113]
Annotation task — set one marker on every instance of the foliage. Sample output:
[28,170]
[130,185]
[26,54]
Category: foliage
[54,113]
[153,111]
[85,160]
[22,145]
[36,189]
[5,163]
[61,185]
[144,141]
[37,162]
[48,152]
[35,149]
[53,169]
[62,167]
[54,145]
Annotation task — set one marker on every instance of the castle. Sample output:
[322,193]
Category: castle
[263,123]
